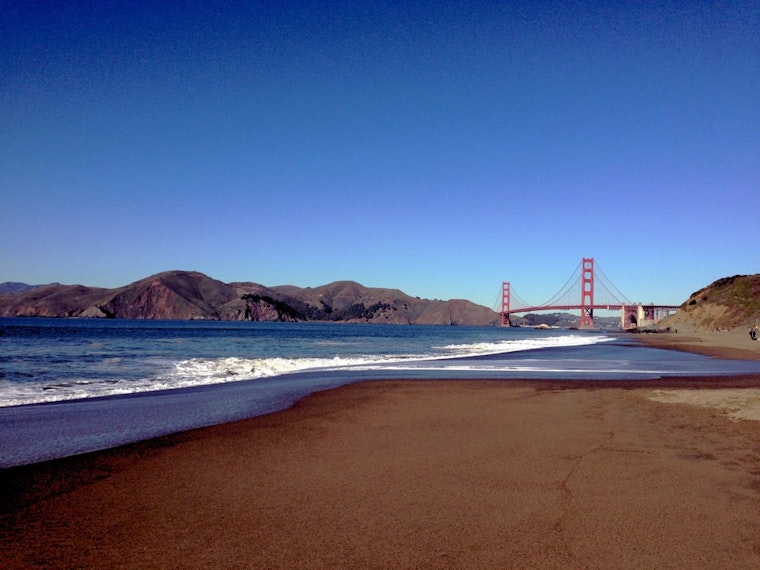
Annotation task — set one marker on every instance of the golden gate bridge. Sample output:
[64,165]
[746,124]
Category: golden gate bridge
[587,289]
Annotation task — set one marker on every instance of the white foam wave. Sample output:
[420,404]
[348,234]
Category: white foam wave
[503,346]
[230,369]
[205,371]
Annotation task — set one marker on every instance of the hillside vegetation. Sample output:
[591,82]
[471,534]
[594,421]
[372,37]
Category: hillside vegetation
[728,303]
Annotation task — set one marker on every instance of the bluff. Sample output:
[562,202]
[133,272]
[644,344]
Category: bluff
[189,295]
[728,303]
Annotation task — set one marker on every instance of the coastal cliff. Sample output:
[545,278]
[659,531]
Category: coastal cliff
[189,295]
[726,304]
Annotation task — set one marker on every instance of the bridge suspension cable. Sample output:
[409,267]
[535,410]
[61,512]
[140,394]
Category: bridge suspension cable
[569,293]
[614,292]
[565,290]
[520,301]
[588,288]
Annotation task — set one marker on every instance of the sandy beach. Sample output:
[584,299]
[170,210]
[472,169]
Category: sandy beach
[420,474]
[735,344]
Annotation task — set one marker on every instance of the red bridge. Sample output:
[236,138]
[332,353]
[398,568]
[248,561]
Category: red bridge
[584,292]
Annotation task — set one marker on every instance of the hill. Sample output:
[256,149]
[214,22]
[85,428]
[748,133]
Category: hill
[563,321]
[16,287]
[728,303]
[189,295]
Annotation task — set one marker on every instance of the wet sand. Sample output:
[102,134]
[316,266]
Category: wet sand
[430,474]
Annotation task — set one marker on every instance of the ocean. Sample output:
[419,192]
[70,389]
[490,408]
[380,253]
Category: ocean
[69,386]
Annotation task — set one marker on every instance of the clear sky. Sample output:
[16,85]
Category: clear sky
[436,147]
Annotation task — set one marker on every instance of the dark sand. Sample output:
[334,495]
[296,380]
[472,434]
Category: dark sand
[459,474]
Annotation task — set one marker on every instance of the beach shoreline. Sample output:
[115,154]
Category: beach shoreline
[731,345]
[469,474]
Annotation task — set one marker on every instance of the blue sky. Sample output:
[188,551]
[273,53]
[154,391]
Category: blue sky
[439,148]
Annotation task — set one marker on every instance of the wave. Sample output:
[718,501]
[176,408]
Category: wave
[206,371]
[234,368]
[504,346]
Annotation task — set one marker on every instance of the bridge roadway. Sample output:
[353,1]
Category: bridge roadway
[631,315]
[579,307]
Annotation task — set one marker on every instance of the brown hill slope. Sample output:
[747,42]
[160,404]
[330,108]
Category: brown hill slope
[352,302]
[728,303]
[170,295]
[50,301]
[188,295]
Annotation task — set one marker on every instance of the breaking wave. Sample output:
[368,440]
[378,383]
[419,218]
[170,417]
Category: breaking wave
[206,371]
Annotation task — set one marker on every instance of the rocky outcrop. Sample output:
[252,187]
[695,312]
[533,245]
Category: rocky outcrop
[264,308]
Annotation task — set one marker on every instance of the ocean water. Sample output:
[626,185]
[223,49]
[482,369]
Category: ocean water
[70,386]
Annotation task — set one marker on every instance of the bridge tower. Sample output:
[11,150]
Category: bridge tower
[587,293]
[505,322]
